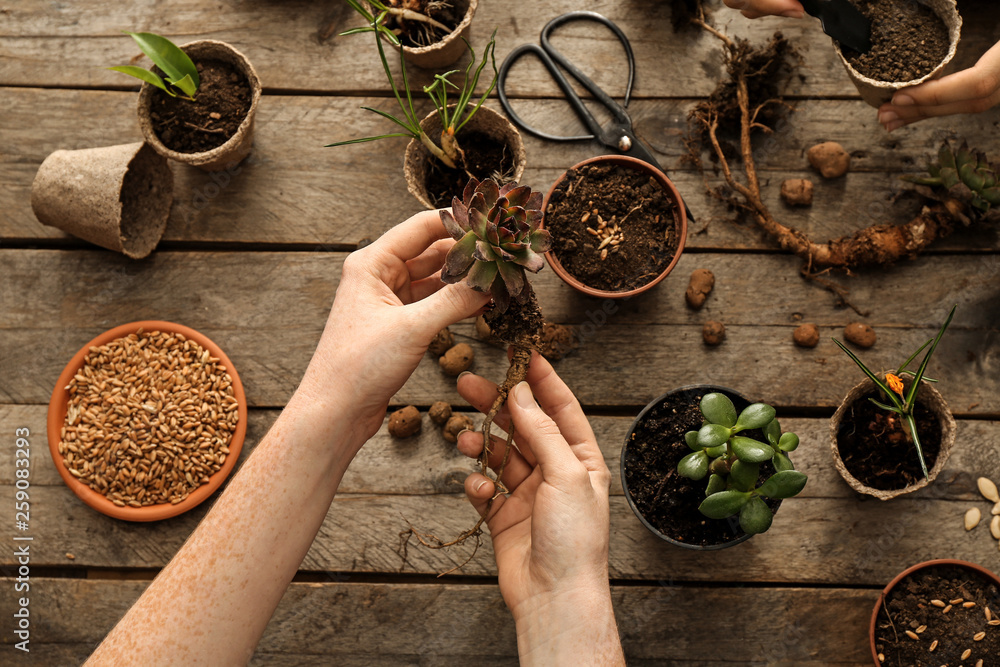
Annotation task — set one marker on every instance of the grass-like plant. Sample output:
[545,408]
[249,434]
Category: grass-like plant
[404,16]
[452,119]
[180,75]
[732,462]
[904,401]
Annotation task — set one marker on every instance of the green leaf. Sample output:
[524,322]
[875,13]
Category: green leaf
[911,396]
[691,440]
[145,75]
[871,376]
[916,443]
[784,484]
[890,408]
[187,85]
[167,56]
[365,139]
[757,415]
[713,435]
[694,465]
[756,516]
[744,475]
[773,432]
[724,503]
[781,461]
[749,450]
[788,442]
[716,483]
[716,451]
[718,409]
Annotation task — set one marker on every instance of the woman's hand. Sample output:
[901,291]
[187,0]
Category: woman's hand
[969,91]
[550,534]
[389,305]
[754,9]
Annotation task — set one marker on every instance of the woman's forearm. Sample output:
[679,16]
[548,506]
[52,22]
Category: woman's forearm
[211,603]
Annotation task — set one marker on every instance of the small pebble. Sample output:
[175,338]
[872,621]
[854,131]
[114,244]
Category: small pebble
[797,192]
[830,159]
[806,335]
[713,332]
[440,413]
[442,342]
[860,334]
[457,359]
[404,422]
[699,287]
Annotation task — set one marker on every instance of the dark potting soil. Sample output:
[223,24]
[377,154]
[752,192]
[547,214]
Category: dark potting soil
[416,34]
[875,449]
[908,606]
[629,198]
[221,103]
[666,499]
[908,41]
[519,323]
[485,157]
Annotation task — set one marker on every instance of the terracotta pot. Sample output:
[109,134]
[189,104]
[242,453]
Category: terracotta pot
[981,571]
[876,93]
[442,53]
[680,226]
[117,197]
[58,406]
[486,121]
[928,396]
[238,146]
[740,401]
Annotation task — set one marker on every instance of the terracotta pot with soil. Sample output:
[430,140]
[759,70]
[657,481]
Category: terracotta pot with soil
[438,45]
[939,612]
[665,501]
[873,452]
[911,43]
[618,226]
[215,131]
[493,149]
[117,197]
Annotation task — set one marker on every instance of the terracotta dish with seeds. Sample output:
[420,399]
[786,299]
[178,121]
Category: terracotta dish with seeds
[147,420]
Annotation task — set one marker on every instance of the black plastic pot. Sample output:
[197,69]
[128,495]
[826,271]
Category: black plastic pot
[741,402]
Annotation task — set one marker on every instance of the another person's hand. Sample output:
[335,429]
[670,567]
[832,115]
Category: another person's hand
[550,534]
[754,9]
[389,305]
[969,91]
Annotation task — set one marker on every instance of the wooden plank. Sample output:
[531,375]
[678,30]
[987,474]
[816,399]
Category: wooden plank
[844,541]
[271,339]
[292,190]
[427,465]
[659,624]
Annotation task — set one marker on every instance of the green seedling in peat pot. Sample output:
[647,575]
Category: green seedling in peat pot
[732,462]
[452,119]
[180,75]
[903,401]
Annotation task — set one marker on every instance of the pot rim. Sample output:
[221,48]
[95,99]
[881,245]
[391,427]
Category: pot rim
[680,224]
[621,469]
[212,155]
[946,423]
[56,417]
[979,569]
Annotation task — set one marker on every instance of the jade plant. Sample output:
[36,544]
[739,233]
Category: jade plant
[964,180]
[732,462]
[497,234]
[903,401]
[454,115]
[180,74]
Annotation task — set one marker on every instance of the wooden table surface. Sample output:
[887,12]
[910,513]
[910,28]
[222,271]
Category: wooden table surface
[253,261]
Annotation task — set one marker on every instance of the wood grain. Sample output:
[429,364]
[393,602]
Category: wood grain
[293,191]
[347,623]
[267,311]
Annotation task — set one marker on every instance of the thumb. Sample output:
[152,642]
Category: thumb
[447,306]
[541,434]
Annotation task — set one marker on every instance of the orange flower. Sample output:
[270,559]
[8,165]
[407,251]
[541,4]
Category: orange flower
[894,383]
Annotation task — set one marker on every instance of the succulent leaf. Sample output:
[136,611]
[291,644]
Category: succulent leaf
[498,239]
[966,176]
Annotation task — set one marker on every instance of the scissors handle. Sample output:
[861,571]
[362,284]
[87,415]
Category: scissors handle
[549,57]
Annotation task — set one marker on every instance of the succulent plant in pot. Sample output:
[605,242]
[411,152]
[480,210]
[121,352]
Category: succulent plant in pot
[706,452]
[198,104]
[893,432]
[965,181]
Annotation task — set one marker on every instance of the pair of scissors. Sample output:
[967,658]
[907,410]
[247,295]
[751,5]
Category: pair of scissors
[618,134]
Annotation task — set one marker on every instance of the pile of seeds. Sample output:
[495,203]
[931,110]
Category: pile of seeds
[150,419]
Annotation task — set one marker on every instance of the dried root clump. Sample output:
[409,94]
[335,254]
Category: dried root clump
[699,287]
[440,413]
[713,333]
[797,192]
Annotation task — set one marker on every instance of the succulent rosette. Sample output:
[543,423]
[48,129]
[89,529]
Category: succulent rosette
[497,234]
[967,176]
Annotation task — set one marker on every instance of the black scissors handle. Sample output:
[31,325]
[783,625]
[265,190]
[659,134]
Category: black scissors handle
[550,57]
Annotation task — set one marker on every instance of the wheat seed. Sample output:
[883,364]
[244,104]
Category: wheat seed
[946,609]
[966,653]
[912,635]
[989,614]
[979,636]
[968,605]
[921,629]
[937,603]
[934,645]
